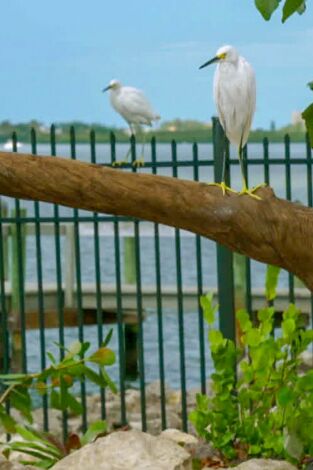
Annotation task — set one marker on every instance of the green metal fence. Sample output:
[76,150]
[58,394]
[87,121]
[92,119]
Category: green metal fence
[71,303]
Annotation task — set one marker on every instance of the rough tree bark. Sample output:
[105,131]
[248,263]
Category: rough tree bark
[272,230]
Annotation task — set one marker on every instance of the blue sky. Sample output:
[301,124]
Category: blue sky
[56,56]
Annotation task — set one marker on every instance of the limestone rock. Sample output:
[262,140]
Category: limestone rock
[264,464]
[181,438]
[128,450]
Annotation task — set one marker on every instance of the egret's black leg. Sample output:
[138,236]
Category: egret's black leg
[245,189]
[222,184]
[140,161]
[125,160]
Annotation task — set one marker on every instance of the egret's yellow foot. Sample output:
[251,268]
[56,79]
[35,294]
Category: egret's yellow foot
[139,163]
[250,192]
[223,187]
[120,163]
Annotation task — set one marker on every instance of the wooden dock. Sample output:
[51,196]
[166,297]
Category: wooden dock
[129,302]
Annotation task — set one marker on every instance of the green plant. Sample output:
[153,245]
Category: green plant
[267,7]
[46,449]
[56,382]
[267,411]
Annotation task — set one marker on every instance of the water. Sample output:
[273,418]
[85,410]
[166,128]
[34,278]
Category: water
[168,261]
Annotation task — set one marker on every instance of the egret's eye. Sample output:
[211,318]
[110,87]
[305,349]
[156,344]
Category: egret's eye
[222,56]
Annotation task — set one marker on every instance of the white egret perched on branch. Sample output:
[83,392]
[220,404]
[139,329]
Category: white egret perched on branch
[234,93]
[134,107]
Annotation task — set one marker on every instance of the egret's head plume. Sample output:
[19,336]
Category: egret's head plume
[227,54]
[113,85]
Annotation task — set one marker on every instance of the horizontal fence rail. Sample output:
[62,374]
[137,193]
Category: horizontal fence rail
[67,274]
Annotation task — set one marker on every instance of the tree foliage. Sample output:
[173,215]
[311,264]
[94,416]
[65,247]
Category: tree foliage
[289,7]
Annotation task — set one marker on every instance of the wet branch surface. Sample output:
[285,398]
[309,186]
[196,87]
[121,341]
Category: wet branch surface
[272,230]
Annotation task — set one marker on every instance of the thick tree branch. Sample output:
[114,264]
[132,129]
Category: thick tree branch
[272,230]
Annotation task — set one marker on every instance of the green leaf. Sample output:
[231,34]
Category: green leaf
[244,320]
[94,377]
[290,7]
[96,428]
[288,327]
[266,7]
[253,337]
[302,8]
[16,378]
[8,423]
[310,85]
[266,314]
[216,339]
[73,350]
[209,310]
[55,401]
[272,275]
[74,404]
[32,449]
[103,357]
[308,118]
[108,380]
[20,399]
[284,396]
[108,337]
[51,357]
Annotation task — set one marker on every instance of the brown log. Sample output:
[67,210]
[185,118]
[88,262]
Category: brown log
[272,230]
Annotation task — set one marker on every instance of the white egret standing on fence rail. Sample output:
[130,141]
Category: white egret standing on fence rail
[234,93]
[134,107]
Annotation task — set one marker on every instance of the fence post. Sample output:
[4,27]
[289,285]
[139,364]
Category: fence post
[225,274]
[16,279]
[130,331]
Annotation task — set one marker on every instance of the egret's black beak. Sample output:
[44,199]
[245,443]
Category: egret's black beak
[215,59]
[106,88]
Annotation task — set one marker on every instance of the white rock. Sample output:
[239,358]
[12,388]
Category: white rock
[179,437]
[128,450]
[154,422]
[263,464]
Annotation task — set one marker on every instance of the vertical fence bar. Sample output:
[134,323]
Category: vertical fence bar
[41,310]
[288,196]
[98,270]
[266,161]
[310,190]
[4,332]
[159,299]
[141,359]
[120,329]
[58,263]
[225,275]
[79,294]
[247,260]
[19,333]
[199,282]
[180,307]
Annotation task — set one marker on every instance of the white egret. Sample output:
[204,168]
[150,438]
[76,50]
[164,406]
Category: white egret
[134,107]
[234,93]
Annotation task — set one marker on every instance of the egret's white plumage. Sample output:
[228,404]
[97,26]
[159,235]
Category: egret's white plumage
[234,92]
[132,105]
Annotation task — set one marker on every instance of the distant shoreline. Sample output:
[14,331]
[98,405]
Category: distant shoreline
[185,132]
